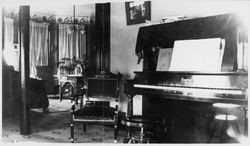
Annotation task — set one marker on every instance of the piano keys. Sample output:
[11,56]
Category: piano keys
[227,87]
[189,90]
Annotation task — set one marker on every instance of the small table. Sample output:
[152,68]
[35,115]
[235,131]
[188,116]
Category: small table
[78,80]
[71,86]
[79,87]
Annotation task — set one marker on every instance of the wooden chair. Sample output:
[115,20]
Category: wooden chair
[96,109]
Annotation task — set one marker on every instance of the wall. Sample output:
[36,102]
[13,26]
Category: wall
[196,8]
[123,37]
[123,58]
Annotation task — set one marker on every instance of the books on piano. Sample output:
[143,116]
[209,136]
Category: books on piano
[204,55]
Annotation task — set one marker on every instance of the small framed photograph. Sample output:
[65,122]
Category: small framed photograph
[137,12]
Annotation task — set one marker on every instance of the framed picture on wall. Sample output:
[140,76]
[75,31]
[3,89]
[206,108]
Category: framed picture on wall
[137,12]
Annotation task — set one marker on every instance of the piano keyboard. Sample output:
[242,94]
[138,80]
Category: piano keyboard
[189,89]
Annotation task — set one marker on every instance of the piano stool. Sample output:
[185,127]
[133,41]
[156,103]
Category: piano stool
[223,120]
[147,128]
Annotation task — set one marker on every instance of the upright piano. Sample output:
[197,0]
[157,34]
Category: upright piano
[160,88]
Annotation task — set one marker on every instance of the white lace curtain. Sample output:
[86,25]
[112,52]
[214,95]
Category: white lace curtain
[11,55]
[38,46]
[69,47]
[8,32]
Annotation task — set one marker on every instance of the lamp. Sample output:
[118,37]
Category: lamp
[75,21]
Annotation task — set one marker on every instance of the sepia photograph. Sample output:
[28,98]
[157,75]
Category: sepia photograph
[124,72]
[137,12]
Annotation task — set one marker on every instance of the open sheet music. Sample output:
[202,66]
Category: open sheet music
[198,55]
[164,59]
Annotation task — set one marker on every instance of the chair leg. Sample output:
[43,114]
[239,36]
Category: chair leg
[72,132]
[115,133]
[81,103]
[129,132]
[84,128]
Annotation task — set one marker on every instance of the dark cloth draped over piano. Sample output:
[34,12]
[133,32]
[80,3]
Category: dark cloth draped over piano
[164,35]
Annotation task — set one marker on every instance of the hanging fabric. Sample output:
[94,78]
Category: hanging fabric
[8,32]
[38,46]
[71,46]
[82,43]
[64,43]
[11,54]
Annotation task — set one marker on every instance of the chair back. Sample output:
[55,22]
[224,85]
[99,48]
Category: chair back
[103,86]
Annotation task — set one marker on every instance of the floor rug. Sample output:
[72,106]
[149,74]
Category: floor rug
[52,126]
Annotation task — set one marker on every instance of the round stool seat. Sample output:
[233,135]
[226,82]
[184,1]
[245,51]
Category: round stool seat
[226,105]
[139,121]
[226,117]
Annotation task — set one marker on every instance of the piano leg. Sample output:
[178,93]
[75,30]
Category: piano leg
[164,125]
[130,105]
[129,138]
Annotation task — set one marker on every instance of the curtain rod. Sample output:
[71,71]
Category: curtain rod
[52,19]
